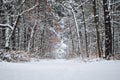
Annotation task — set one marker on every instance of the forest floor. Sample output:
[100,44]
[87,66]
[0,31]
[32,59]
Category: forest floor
[61,70]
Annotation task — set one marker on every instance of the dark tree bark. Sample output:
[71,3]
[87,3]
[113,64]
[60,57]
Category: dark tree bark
[108,35]
[85,29]
[73,47]
[96,21]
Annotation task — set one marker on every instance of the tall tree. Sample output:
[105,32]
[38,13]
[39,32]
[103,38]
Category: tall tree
[85,29]
[108,34]
[96,21]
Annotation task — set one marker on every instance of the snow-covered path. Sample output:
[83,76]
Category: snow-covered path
[60,70]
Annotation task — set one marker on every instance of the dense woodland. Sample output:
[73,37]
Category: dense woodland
[59,28]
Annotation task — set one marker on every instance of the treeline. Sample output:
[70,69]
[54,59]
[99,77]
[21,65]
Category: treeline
[89,28]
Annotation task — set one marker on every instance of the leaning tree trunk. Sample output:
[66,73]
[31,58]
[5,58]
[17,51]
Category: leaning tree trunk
[78,33]
[108,35]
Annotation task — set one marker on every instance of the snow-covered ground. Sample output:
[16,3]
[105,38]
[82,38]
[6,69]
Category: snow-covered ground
[61,70]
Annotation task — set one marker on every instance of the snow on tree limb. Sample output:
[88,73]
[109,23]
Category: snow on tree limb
[21,4]
[28,10]
[20,14]
[11,33]
[118,2]
[6,25]
[53,30]
[116,22]
[12,27]
[82,4]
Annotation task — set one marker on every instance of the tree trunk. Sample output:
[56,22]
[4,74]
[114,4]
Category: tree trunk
[78,33]
[31,37]
[73,47]
[108,35]
[7,32]
[96,21]
[7,40]
[86,44]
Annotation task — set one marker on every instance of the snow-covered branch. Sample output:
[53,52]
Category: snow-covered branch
[6,25]
[28,10]
[12,27]
[21,4]
[116,22]
[53,30]
[82,4]
[90,17]
[118,2]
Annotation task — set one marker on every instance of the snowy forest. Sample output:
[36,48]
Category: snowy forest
[59,29]
[59,39]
